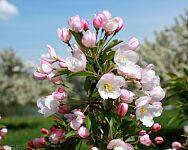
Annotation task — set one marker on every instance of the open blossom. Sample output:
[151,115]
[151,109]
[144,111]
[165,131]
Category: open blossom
[157,94]
[130,70]
[176,145]
[120,23]
[76,23]
[149,79]
[60,93]
[3,131]
[48,105]
[51,56]
[64,34]
[57,136]
[104,16]
[145,112]
[145,140]
[6,147]
[126,96]
[122,109]
[83,132]
[54,78]
[77,62]
[36,143]
[118,144]
[109,86]
[89,39]
[76,119]
[111,26]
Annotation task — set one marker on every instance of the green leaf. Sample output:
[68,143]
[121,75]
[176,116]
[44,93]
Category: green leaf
[112,44]
[130,139]
[70,134]
[82,145]
[63,71]
[185,70]
[173,119]
[109,56]
[82,73]
[185,135]
[90,67]
[88,122]
[78,37]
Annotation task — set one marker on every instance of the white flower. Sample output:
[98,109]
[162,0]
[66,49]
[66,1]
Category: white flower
[149,80]
[109,86]
[118,144]
[76,119]
[157,94]
[51,56]
[48,105]
[77,62]
[130,70]
[122,57]
[145,112]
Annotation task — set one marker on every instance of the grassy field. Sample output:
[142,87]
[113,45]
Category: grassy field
[23,129]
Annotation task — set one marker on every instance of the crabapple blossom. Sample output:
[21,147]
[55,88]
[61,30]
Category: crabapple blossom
[156,127]
[97,22]
[83,132]
[54,78]
[159,140]
[3,131]
[94,148]
[64,34]
[62,63]
[6,147]
[51,56]
[145,140]
[133,43]
[111,26]
[104,16]
[145,112]
[142,132]
[76,119]
[63,109]
[157,94]
[60,93]
[85,24]
[126,96]
[149,80]
[89,39]
[122,109]
[109,86]
[57,136]
[48,105]
[77,62]
[118,144]
[176,145]
[120,23]
[76,23]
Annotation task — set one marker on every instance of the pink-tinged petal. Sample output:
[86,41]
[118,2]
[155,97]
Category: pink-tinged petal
[39,76]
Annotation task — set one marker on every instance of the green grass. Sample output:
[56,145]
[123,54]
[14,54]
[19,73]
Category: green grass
[23,129]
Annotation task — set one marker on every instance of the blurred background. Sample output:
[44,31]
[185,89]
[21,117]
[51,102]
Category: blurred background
[27,26]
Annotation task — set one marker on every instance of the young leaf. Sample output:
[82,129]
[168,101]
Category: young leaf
[63,71]
[78,37]
[70,134]
[88,122]
[82,73]
[112,44]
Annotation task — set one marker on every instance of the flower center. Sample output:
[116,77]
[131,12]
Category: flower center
[123,57]
[143,110]
[108,87]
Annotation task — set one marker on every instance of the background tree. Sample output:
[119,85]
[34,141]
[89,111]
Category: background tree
[169,51]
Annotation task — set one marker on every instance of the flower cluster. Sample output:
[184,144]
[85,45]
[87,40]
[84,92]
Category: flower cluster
[117,88]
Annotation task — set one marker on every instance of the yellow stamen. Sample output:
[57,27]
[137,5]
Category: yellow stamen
[108,87]
[143,110]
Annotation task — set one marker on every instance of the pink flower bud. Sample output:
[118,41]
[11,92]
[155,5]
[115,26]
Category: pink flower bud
[89,39]
[76,24]
[104,16]
[3,132]
[85,24]
[145,140]
[60,93]
[159,140]
[142,132]
[120,23]
[39,75]
[126,96]
[97,22]
[176,145]
[122,109]
[133,43]
[44,131]
[156,127]
[83,132]
[94,148]
[39,142]
[62,63]
[111,26]
[64,34]
[63,109]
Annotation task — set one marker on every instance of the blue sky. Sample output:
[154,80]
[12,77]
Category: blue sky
[38,20]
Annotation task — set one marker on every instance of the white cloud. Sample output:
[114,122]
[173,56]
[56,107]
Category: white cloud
[7,10]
